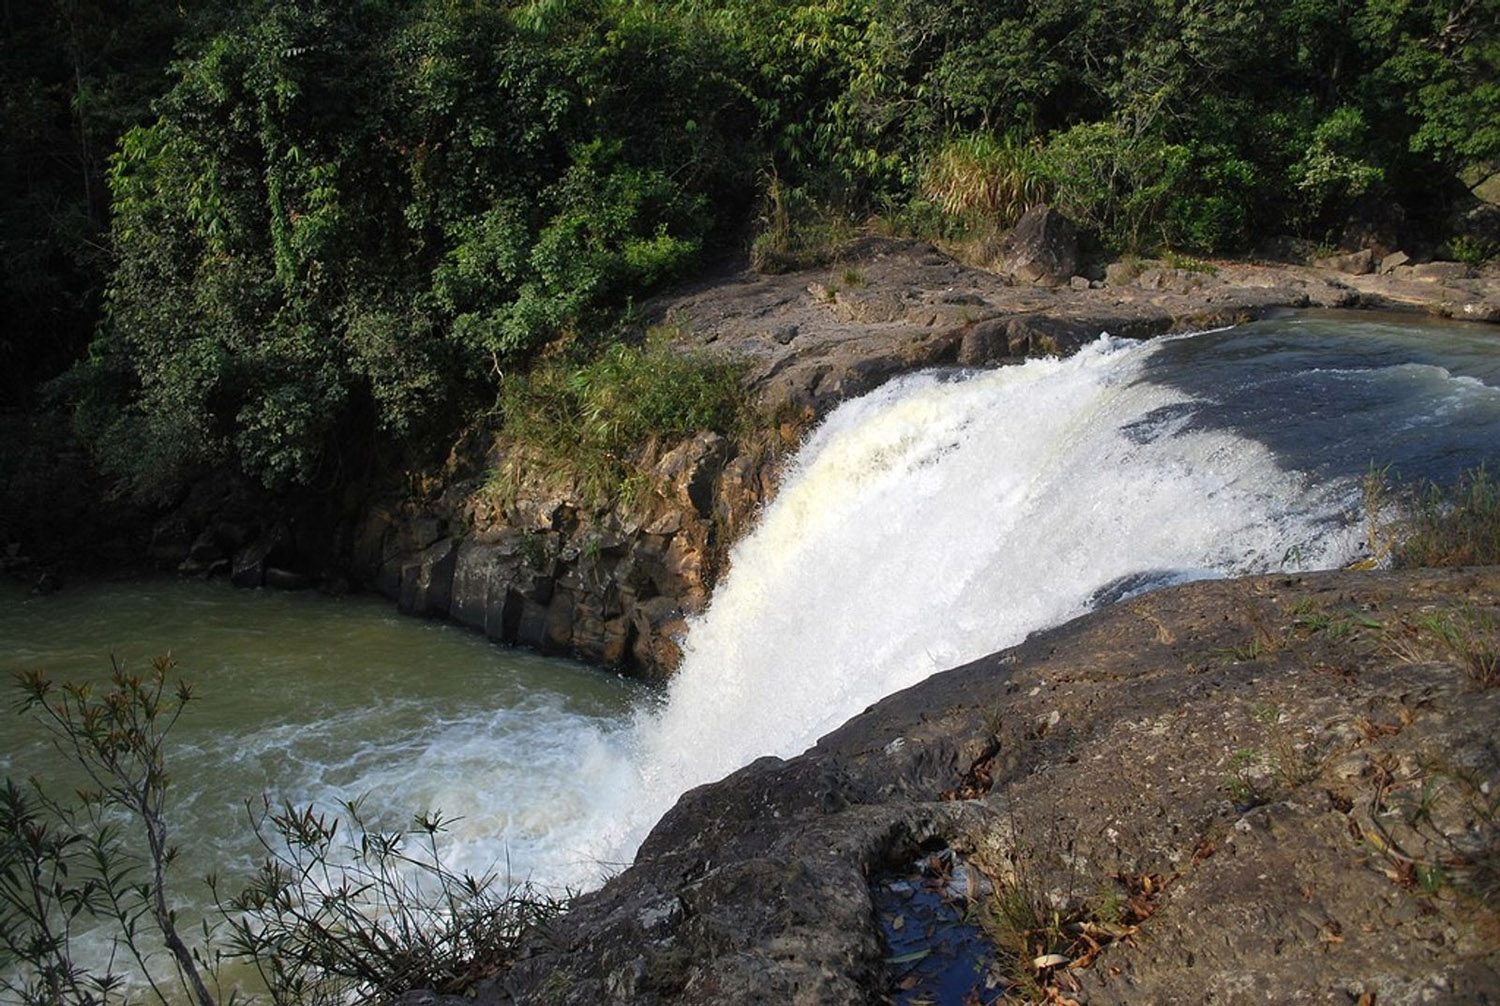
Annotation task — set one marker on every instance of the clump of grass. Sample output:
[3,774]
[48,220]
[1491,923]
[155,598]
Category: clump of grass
[1188,263]
[1443,835]
[1256,776]
[1038,944]
[1469,636]
[982,177]
[1454,526]
[795,232]
[592,421]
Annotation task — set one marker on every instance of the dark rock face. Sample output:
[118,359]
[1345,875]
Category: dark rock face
[1043,248]
[610,586]
[1286,755]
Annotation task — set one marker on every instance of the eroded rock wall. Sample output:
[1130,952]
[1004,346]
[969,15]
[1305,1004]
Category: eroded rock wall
[534,566]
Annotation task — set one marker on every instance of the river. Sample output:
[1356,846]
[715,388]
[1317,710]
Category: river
[942,517]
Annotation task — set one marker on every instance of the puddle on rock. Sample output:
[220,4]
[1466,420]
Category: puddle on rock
[935,953]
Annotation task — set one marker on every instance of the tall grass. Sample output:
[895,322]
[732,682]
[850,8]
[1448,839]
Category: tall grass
[795,231]
[590,422]
[984,179]
[1457,525]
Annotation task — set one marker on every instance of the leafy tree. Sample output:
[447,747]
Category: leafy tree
[351,217]
[350,220]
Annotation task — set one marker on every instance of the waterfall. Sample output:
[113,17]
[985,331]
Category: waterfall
[946,516]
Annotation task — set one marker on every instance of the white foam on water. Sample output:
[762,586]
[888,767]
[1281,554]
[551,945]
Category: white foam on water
[935,521]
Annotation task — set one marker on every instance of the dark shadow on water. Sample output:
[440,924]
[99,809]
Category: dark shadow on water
[1332,396]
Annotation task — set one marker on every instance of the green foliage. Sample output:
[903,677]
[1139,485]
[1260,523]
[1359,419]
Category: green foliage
[337,911]
[980,178]
[1472,250]
[1332,171]
[1458,525]
[345,221]
[1116,184]
[590,421]
[349,219]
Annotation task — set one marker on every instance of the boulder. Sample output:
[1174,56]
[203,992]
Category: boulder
[171,541]
[1393,261]
[1374,223]
[1356,263]
[1440,272]
[272,549]
[277,578]
[1042,249]
[984,342]
[1121,273]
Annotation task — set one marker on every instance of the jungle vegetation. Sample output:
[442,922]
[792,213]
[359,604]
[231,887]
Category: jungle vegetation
[288,238]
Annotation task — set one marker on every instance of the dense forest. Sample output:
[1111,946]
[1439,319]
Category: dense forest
[283,239]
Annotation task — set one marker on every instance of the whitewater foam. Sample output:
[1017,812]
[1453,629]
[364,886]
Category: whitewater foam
[938,520]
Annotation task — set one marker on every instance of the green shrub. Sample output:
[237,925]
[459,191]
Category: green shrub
[590,421]
[1472,250]
[1114,183]
[982,178]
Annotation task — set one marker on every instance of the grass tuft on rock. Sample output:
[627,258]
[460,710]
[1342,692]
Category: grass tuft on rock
[591,422]
[1457,525]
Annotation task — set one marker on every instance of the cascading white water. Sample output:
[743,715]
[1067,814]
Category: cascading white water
[939,519]
[927,524]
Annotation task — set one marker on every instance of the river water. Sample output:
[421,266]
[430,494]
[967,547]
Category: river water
[938,519]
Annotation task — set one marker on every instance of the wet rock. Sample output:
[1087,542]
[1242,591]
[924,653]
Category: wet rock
[658,626]
[272,549]
[1483,310]
[285,579]
[205,549]
[171,541]
[484,576]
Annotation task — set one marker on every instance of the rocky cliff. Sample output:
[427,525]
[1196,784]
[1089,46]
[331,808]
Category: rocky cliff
[612,585]
[1270,790]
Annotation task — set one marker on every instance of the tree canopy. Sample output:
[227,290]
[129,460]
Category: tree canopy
[343,223]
